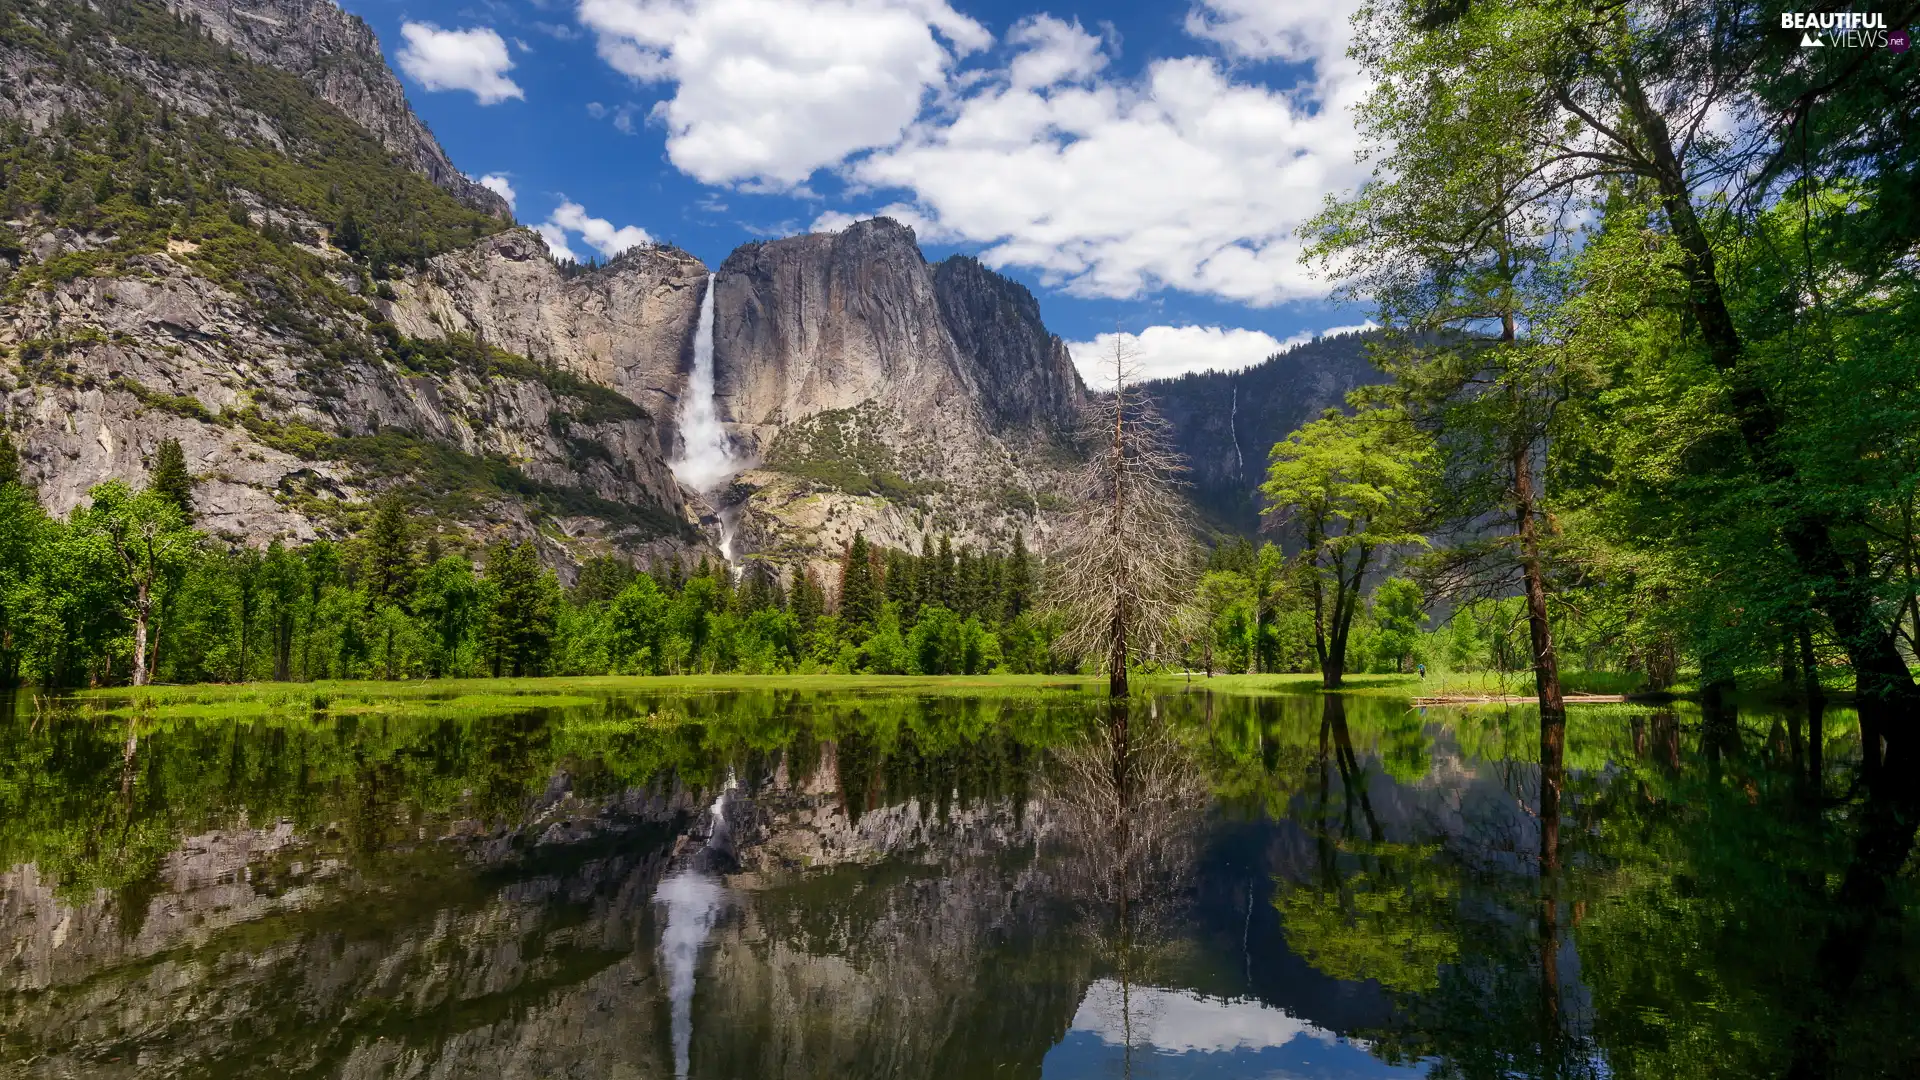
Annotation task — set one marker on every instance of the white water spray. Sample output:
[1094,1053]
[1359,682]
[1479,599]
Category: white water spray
[693,899]
[705,461]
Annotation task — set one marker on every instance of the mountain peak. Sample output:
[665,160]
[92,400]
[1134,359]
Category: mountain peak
[337,55]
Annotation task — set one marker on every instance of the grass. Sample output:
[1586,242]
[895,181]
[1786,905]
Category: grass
[1490,684]
[1463,683]
[372,695]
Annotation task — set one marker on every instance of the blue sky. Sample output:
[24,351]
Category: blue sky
[1141,166]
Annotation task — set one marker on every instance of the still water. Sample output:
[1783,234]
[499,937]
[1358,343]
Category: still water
[801,884]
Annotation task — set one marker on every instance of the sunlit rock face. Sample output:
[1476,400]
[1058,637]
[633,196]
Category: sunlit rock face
[841,371]
[628,325]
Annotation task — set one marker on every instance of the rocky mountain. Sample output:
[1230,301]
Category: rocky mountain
[337,55]
[840,369]
[1226,423]
[201,246]
[223,225]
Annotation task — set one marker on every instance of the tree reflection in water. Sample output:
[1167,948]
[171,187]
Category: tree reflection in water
[1127,798]
[1729,892]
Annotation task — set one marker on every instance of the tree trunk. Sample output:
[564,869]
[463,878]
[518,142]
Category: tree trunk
[1546,662]
[142,609]
[1886,689]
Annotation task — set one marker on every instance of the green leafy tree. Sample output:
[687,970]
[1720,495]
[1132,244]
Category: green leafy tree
[449,603]
[1353,487]
[140,536]
[935,643]
[1399,611]
[639,622]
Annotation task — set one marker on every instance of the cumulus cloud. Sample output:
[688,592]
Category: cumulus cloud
[498,184]
[767,91]
[475,60]
[927,230]
[570,219]
[1163,352]
[1184,177]
[1263,30]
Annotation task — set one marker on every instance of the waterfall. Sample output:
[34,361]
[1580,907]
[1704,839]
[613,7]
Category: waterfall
[693,899]
[705,461]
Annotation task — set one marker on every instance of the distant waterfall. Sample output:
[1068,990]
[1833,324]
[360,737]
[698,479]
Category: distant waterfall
[693,899]
[705,461]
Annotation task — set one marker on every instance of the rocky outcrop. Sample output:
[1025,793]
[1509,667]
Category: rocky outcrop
[831,321]
[1025,375]
[338,56]
[837,369]
[627,325]
[278,437]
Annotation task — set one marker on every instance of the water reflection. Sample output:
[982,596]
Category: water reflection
[789,885]
[693,897]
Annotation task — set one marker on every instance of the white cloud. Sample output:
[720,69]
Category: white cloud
[1184,177]
[1164,352]
[570,219]
[475,60]
[767,91]
[556,238]
[1264,30]
[925,229]
[498,184]
[1184,1022]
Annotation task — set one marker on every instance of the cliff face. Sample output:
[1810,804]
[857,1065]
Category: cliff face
[1026,378]
[338,56]
[277,441]
[874,397]
[823,322]
[628,325]
[231,248]
[1225,423]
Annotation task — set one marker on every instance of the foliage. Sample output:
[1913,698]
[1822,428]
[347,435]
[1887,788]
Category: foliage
[1353,488]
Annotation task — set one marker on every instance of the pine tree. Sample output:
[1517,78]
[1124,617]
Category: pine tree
[859,593]
[939,588]
[1016,586]
[387,564]
[521,614]
[168,477]
[808,601]
[9,461]
[902,584]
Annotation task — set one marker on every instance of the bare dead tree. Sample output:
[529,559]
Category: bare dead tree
[1123,567]
[1126,801]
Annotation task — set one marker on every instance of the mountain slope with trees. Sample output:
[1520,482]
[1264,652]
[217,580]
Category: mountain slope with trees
[1225,423]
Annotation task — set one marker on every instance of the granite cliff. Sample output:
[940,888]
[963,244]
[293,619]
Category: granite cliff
[1226,422]
[224,225]
[336,54]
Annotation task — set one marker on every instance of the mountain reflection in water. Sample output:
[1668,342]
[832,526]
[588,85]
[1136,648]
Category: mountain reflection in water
[790,884]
